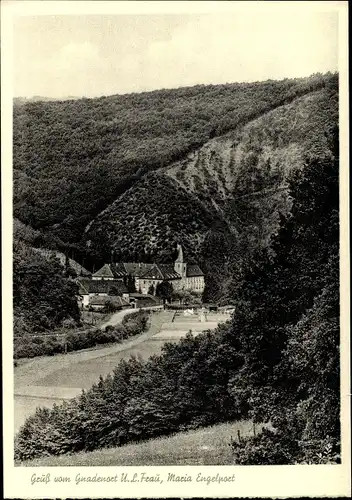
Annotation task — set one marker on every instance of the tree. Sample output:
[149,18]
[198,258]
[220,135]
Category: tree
[131,284]
[113,291]
[184,296]
[151,289]
[109,306]
[288,325]
[43,296]
[164,290]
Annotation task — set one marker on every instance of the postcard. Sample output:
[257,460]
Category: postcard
[175,249]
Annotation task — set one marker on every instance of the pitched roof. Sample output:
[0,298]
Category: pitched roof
[115,287]
[137,268]
[114,270]
[144,296]
[194,270]
[161,272]
[168,271]
[153,273]
[144,270]
[101,301]
[104,272]
[118,270]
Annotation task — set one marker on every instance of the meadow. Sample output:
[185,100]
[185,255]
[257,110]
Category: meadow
[59,374]
[205,446]
[85,373]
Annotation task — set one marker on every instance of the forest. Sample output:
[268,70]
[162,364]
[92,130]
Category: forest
[73,158]
[245,177]
[223,201]
[276,360]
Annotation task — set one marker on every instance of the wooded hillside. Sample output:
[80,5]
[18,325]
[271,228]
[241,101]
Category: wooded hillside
[277,360]
[246,178]
[223,201]
[205,166]
[73,158]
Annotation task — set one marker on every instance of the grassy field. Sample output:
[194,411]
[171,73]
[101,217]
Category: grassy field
[85,373]
[80,369]
[168,335]
[206,446]
[189,325]
[82,374]
[25,406]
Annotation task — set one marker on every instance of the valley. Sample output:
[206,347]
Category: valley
[245,179]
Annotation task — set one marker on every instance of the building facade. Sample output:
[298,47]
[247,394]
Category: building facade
[180,274]
[97,292]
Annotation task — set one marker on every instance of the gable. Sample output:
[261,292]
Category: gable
[101,301]
[137,269]
[168,272]
[194,270]
[161,272]
[104,272]
[153,274]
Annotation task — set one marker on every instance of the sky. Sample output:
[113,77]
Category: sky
[60,56]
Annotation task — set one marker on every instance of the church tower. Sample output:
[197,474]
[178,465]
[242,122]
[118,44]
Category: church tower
[180,266]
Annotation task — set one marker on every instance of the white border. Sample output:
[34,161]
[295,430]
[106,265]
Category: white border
[251,481]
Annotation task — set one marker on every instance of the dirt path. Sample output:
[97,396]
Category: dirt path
[118,316]
[46,380]
[30,372]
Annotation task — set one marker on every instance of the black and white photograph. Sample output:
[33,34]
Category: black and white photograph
[176,241]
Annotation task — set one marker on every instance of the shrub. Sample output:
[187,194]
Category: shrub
[136,322]
[109,307]
[31,346]
[284,448]
[69,323]
[267,448]
[53,346]
[109,328]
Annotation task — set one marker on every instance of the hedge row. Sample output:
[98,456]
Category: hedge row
[49,345]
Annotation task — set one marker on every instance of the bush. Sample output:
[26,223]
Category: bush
[109,307]
[31,346]
[278,357]
[136,322]
[267,448]
[26,350]
[279,448]
[139,400]
[53,346]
